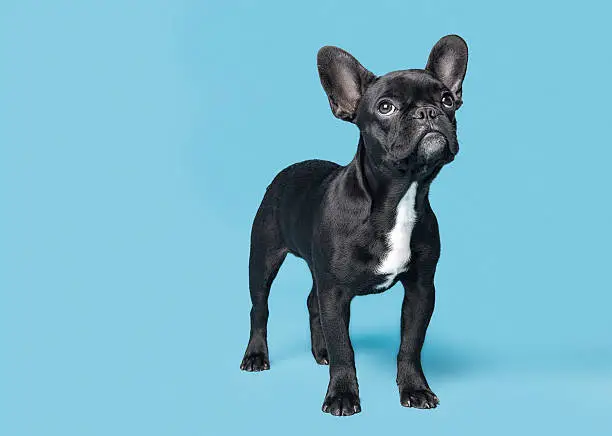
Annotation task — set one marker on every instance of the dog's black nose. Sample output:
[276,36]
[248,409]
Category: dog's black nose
[426,113]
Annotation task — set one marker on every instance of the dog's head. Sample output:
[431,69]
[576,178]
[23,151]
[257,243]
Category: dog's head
[406,118]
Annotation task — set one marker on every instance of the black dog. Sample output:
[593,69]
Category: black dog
[365,226]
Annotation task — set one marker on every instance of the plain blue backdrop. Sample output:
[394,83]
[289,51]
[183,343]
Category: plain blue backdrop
[137,139]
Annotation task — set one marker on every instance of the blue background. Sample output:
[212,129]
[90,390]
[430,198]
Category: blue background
[137,139]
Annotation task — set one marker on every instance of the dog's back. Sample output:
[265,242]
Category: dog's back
[286,211]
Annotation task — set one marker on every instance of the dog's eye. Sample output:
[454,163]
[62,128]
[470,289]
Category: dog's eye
[447,100]
[385,107]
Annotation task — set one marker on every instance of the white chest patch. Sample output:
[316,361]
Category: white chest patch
[398,239]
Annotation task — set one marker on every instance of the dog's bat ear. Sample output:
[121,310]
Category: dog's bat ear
[344,80]
[448,62]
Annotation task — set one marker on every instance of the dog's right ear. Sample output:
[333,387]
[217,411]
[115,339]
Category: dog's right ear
[344,80]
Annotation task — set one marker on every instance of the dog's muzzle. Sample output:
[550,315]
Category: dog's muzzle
[434,145]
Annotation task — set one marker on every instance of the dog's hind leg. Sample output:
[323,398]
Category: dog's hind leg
[319,347]
[267,255]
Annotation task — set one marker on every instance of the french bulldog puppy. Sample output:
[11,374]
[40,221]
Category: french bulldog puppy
[367,225]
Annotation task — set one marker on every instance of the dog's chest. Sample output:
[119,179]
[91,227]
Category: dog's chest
[395,260]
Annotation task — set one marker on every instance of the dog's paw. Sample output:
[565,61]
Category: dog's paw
[342,404]
[420,399]
[255,362]
[321,356]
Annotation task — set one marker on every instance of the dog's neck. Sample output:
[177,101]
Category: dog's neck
[386,187]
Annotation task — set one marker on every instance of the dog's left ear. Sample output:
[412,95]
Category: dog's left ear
[448,62]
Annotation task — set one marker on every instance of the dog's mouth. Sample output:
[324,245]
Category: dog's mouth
[435,146]
[432,144]
[432,149]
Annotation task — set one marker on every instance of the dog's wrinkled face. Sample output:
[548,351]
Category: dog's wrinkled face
[406,118]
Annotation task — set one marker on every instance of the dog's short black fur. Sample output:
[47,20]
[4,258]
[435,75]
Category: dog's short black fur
[364,226]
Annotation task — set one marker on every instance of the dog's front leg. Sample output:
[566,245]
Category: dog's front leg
[342,396]
[418,305]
